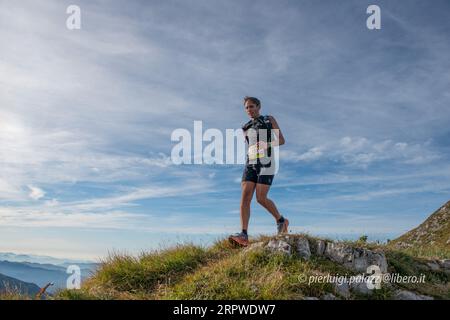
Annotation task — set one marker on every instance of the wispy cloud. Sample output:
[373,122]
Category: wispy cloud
[36,193]
[362,152]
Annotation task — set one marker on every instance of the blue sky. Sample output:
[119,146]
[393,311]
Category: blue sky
[86,118]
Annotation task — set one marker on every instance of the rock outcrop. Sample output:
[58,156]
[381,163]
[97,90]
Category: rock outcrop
[278,245]
[409,295]
[302,248]
[355,259]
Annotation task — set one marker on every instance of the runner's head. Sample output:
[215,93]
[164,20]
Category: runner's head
[252,106]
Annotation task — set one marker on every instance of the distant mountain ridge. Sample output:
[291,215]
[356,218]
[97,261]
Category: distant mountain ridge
[12,285]
[15,257]
[41,274]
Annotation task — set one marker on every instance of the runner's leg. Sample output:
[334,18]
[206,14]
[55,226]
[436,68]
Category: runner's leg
[261,196]
[248,188]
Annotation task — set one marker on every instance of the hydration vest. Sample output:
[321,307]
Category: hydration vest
[262,122]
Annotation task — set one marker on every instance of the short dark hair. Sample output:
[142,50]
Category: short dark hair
[252,99]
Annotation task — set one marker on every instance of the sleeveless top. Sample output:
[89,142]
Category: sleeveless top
[262,131]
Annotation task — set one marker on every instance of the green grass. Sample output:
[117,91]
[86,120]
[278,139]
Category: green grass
[428,252]
[14,296]
[123,276]
[218,272]
[254,275]
[437,283]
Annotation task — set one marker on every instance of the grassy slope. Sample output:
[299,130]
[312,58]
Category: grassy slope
[224,272]
[431,238]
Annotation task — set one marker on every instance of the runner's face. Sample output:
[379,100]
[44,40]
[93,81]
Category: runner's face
[251,109]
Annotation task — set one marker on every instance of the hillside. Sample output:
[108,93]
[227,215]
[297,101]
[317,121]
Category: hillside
[433,234]
[271,268]
[9,285]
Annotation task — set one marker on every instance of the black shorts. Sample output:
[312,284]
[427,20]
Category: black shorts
[253,173]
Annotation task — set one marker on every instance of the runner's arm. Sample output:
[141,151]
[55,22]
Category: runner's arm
[278,134]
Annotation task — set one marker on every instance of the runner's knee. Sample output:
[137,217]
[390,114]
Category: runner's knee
[246,199]
[262,199]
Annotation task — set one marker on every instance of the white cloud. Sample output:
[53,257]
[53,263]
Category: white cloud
[97,212]
[351,144]
[9,190]
[360,152]
[36,217]
[387,192]
[311,154]
[52,203]
[36,193]
[58,156]
[186,188]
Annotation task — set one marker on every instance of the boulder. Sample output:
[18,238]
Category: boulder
[302,247]
[445,264]
[433,266]
[254,246]
[318,247]
[277,245]
[342,290]
[409,295]
[363,258]
[356,259]
[361,287]
[338,252]
[328,296]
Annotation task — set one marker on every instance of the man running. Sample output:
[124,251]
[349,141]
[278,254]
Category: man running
[259,160]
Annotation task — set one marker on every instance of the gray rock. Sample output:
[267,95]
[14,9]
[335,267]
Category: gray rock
[356,259]
[361,287]
[338,252]
[445,264]
[318,247]
[328,296]
[310,298]
[408,295]
[342,290]
[363,258]
[276,245]
[433,266]
[254,246]
[289,239]
[303,249]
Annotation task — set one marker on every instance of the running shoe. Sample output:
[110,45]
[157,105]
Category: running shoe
[282,227]
[239,239]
